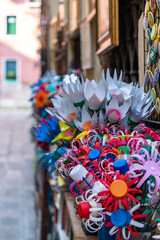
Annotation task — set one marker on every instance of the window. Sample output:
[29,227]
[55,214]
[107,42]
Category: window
[11,70]
[11,25]
[34,3]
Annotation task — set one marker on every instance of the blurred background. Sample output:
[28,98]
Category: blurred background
[19,45]
[20,66]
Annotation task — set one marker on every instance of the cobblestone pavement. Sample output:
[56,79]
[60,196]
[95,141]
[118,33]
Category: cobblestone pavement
[17,205]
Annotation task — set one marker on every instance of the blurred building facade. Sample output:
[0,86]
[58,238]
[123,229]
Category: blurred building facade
[20,25]
[19,50]
[92,35]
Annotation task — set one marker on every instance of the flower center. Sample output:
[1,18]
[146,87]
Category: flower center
[154,202]
[40,99]
[87,125]
[69,133]
[121,218]
[153,168]
[119,188]
[118,115]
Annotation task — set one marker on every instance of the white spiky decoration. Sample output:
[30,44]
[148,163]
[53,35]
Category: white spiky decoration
[96,94]
[87,104]
[74,92]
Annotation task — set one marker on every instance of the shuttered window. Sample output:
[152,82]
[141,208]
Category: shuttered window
[11,25]
[11,70]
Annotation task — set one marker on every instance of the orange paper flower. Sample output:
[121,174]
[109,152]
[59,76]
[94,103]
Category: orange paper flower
[41,99]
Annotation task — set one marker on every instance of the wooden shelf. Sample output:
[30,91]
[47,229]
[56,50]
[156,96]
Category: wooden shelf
[78,232]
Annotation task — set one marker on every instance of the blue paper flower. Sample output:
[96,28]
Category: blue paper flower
[47,131]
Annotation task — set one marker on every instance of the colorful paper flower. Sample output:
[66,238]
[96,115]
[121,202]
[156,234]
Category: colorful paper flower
[119,192]
[47,129]
[74,91]
[64,110]
[87,122]
[153,206]
[141,107]
[149,167]
[94,94]
[122,222]
[41,99]
[67,133]
[112,99]
[116,111]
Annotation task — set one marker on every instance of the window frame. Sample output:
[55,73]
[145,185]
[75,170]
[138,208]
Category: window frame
[7,78]
[108,35]
[18,71]
[34,4]
[91,10]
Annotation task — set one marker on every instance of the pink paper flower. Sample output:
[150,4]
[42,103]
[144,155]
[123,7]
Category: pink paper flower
[149,167]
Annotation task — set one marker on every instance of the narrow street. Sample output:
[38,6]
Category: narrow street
[17,190]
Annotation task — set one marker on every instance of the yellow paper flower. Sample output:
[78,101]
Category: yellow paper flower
[66,133]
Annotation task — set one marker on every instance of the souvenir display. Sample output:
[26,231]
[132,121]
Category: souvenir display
[150,74]
[158,31]
[156,76]
[150,19]
[158,3]
[146,78]
[110,100]
[148,60]
[153,5]
[94,143]
[154,32]
[156,45]
[147,7]
[157,106]
[148,35]
[145,22]
[104,151]
[153,95]
[152,55]
[105,181]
